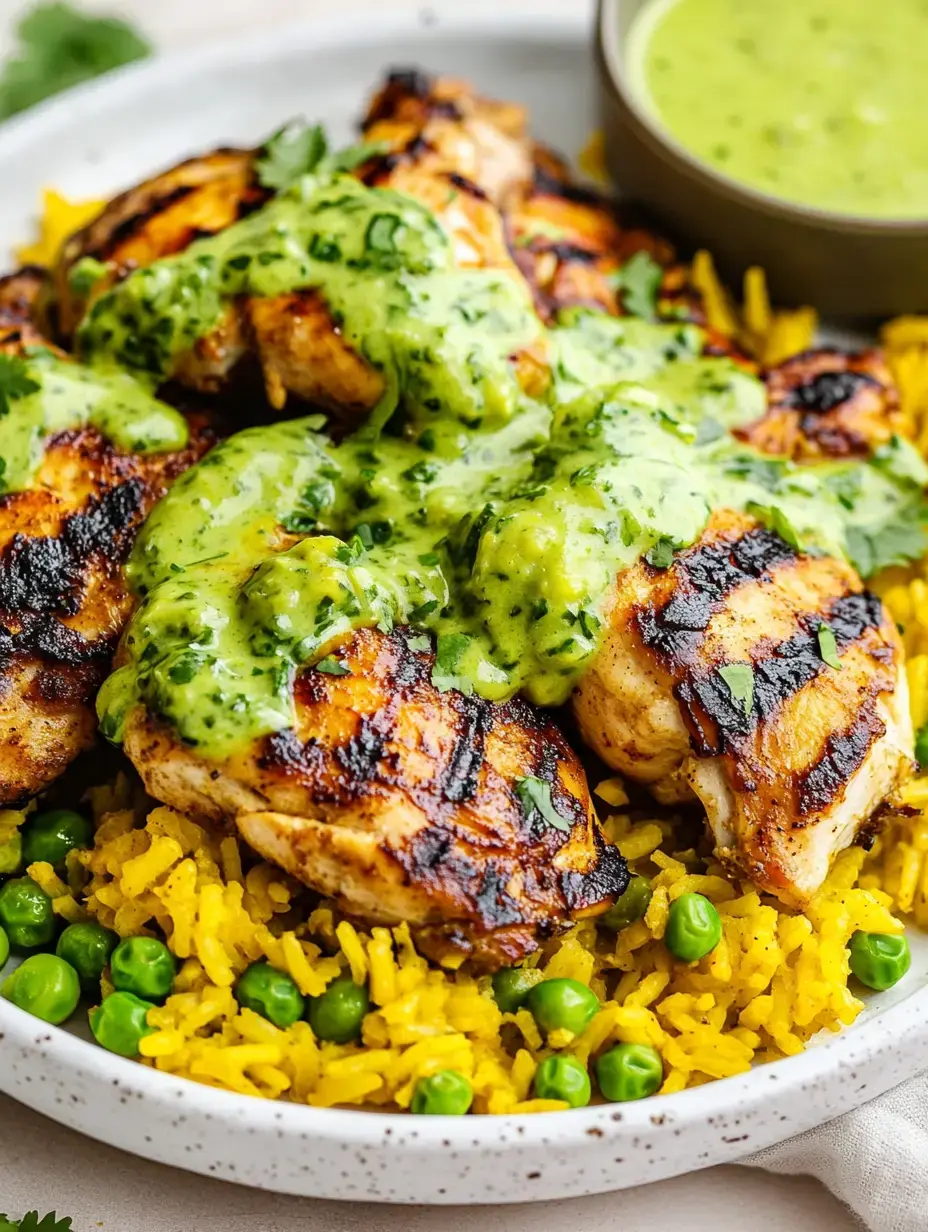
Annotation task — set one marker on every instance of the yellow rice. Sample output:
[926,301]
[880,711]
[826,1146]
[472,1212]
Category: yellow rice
[776,979]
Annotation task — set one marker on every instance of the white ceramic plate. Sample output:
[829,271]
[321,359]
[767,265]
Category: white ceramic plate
[103,137]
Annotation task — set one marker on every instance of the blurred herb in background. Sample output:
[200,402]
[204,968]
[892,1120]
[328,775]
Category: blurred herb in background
[58,47]
[32,1223]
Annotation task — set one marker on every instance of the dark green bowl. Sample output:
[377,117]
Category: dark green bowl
[845,265]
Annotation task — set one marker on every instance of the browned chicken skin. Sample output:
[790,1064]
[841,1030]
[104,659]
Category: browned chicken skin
[827,404]
[401,802]
[62,598]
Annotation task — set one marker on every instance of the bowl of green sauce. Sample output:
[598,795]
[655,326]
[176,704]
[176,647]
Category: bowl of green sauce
[791,134]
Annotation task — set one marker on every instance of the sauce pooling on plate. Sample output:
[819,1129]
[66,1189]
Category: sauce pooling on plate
[820,102]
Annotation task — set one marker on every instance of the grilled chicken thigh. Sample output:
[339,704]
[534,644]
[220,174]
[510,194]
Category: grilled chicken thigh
[62,599]
[715,682]
[402,803]
[788,771]
[455,153]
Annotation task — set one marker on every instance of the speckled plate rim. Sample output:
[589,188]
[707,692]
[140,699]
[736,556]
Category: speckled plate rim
[388,1157]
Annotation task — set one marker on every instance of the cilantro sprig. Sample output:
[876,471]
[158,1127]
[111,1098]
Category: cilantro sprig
[31,1222]
[299,148]
[59,47]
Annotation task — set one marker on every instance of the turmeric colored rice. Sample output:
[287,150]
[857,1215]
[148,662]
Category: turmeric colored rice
[776,979]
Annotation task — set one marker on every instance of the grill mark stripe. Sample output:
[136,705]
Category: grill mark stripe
[778,676]
[819,785]
[705,576]
[46,573]
[460,779]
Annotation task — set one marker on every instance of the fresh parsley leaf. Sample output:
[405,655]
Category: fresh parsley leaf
[828,647]
[449,651]
[740,680]
[660,554]
[331,666]
[637,284]
[535,797]
[15,381]
[60,47]
[294,150]
[422,643]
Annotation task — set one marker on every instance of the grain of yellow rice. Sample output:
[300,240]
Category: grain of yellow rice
[776,979]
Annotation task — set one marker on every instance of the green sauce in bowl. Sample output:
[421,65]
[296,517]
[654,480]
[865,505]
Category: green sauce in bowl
[819,102]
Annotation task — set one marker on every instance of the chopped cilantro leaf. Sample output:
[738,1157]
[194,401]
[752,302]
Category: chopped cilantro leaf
[449,651]
[355,155]
[708,430]
[637,284]
[740,680]
[60,47]
[900,459]
[294,150]
[828,647]
[535,798]
[331,666]
[15,381]
[876,547]
[421,643]
[84,275]
[776,520]
[660,554]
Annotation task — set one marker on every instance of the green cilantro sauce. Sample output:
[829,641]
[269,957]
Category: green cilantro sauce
[42,395]
[491,522]
[441,335]
[502,538]
[821,102]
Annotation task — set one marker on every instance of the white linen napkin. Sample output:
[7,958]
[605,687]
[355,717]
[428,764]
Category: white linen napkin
[875,1159]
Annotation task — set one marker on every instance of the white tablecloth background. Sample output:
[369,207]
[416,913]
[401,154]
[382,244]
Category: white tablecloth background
[45,1166]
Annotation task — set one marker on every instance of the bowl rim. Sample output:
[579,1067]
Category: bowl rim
[895,1027]
[612,69]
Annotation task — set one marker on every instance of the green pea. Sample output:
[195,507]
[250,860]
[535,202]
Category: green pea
[270,993]
[629,906]
[46,986]
[4,949]
[120,1023]
[337,1015]
[563,1078]
[446,1093]
[629,1071]
[694,927]
[511,986]
[87,947]
[143,966]
[879,960]
[50,836]
[11,855]
[26,914]
[562,1004]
